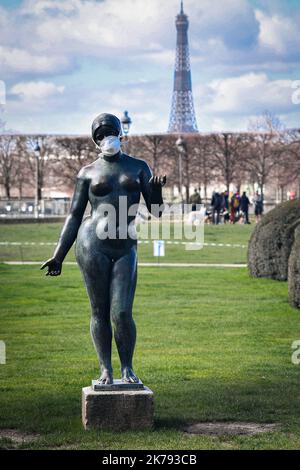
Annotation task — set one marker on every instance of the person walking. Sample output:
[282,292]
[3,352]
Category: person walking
[216,204]
[259,206]
[195,200]
[238,205]
[234,208]
[245,203]
[226,200]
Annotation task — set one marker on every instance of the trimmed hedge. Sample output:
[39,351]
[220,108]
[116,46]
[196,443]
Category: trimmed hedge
[294,272]
[271,242]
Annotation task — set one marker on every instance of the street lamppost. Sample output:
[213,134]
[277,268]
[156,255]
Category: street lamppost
[126,123]
[181,147]
[37,152]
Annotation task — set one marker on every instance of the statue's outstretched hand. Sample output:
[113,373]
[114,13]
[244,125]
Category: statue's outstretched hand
[54,267]
[157,181]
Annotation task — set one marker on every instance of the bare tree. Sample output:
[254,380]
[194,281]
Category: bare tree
[288,167]
[187,158]
[266,123]
[201,166]
[159,151]
[265,146]
[23,176]
[71,154]
[39,170]
[7,159]
[261,158]
[227,156]
[153,148]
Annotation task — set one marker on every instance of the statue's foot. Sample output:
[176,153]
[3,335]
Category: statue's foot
[129,376]
[106,377]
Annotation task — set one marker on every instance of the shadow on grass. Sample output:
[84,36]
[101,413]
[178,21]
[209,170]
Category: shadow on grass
[176,405]
[204,400]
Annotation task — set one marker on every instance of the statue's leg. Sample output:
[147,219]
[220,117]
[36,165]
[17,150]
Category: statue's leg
[122,290]
[96,271]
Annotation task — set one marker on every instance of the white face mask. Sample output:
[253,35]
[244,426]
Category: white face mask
[110,145]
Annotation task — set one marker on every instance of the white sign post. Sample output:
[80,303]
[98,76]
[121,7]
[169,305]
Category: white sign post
[2,353]
[158,248]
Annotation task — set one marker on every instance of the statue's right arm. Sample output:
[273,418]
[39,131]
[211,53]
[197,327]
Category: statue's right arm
[71,226]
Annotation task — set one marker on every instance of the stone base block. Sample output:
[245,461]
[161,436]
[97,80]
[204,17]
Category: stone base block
[120,410]
[117,385]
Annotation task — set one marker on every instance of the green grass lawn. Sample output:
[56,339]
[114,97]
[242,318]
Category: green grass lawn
[213,344]
[48,233]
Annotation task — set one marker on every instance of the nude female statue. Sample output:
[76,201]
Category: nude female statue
[109,266]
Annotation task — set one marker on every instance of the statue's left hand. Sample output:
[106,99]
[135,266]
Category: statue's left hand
[158,181]
[54,267]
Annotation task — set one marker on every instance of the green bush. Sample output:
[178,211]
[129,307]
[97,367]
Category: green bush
[271,242]
[294,272]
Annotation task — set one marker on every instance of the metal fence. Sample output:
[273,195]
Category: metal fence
[25,208]
[59,207]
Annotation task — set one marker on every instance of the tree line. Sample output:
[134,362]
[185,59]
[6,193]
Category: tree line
[223,159]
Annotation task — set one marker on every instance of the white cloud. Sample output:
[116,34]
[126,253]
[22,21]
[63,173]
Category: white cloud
[246,94]
[64,31]
[70,111]
[277,32]
[36,90]
[124,54]
[38,7]
[149,105]
[228,124]
[101,28]
[94,26]
[17,60]
[218,125]
[166,57]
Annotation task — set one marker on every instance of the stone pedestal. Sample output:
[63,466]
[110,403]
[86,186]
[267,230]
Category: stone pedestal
[117,410]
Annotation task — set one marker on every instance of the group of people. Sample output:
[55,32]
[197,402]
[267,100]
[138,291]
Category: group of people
[235,208]
[229,208]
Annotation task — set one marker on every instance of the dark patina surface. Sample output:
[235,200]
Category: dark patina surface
[109,266]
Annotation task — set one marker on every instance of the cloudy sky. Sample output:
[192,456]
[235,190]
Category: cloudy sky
[65,61]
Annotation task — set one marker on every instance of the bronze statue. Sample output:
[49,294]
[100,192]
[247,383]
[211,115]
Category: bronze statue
[109,264]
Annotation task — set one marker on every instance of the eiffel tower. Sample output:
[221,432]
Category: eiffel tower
[182,118]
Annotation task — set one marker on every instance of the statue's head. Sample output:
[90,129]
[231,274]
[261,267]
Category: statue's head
[105,125]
